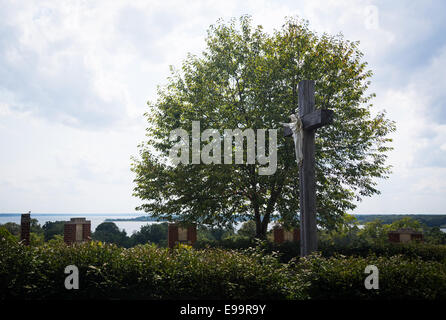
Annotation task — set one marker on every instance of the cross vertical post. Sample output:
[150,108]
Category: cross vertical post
[308,227]
[303,133]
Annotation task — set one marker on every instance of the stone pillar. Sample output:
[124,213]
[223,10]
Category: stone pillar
[172,235]
[192,234]
[180,234]
[69,233]
[394,237]
[405,235]
[281,235]
[77,230]
[278,235]
[25,225]
[417,237]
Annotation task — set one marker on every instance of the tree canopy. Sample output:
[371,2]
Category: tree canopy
[247,78]
[109,232]
[53,228]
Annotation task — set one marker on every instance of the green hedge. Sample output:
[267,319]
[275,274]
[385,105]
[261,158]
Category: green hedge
[284,251]
[343,277]
[289,250]
[149,272]
[142,272]
[424,251]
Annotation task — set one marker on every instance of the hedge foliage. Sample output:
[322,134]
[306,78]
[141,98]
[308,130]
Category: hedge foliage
[284,251]
[148,272]
[342,277]
[288,250]
[423,251]
[142,272]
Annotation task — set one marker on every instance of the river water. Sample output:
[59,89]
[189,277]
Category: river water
[128,226]
[97,218]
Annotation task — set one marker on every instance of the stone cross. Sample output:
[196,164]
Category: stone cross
[311,119]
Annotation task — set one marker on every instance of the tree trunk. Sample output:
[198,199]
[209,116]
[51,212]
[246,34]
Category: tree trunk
[263,228]
[258,224]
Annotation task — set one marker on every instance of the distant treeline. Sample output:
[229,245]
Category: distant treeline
[430,220]
[141,218]
[155,219]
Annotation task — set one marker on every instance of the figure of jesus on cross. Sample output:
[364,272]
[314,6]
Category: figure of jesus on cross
[302,128]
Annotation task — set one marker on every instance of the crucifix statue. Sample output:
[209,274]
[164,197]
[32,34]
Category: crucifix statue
[294,129]
[302,128]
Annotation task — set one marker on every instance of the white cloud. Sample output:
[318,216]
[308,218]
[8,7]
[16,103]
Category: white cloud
[56,168]
[76,76]
[418,182]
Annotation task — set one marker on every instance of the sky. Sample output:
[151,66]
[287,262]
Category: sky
[75,78]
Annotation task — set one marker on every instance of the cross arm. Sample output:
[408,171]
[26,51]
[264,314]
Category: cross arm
[317,118]
[313,120]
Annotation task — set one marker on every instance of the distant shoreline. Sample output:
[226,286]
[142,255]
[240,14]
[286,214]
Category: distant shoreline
[75,214]
[142,218]
[430,220]
[145,215]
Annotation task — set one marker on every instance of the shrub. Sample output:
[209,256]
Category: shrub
[289,250]
[284,251]
[424,251]
[149,272]
[343,277]
[142,272]
[233,242]
[12,228]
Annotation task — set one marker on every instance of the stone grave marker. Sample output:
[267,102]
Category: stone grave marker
[77,230]
[177,233]
[405,235]
[25,225]
[282,234]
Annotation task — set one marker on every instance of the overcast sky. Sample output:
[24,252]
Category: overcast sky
[75,77]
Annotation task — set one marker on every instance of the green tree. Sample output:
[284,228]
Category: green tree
[109,232]
[375,232]
[35,227]
[13,228]
[345,234]
[434,235]
[51,229]
[248,229]
[154,232]
[247,78]
[6,234]
[214,233]
[406,222]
